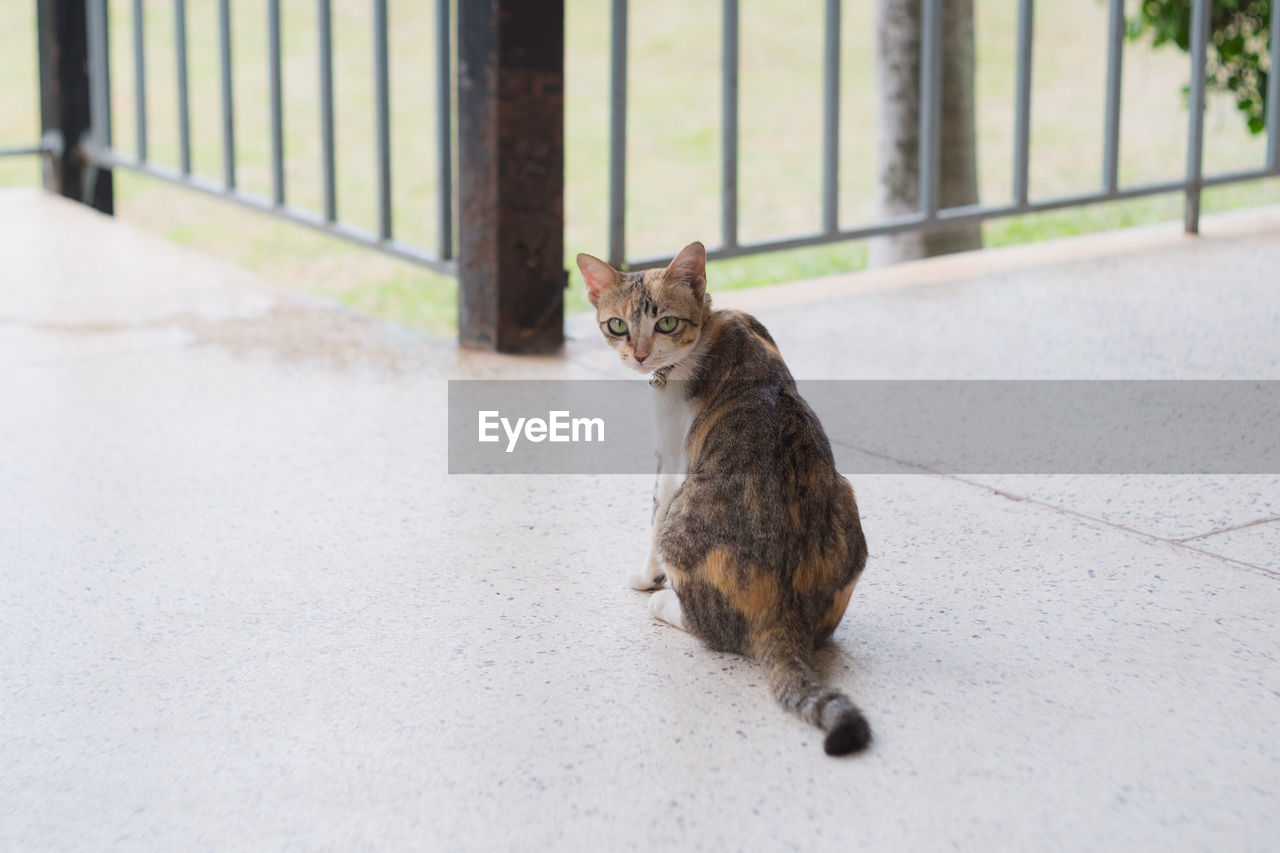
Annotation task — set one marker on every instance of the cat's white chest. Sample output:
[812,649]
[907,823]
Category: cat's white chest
[672,418]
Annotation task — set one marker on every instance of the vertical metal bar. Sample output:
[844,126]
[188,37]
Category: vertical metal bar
[1200,11]
[228,104]
[140,77]
[184,110]
[1022,108]
[831,120]
[930,104]
[1115,68]
[1273,92]
[276,86]
[99,68]
[618,134]
[729,127]
[325,19]
[382,117]
[104,73]
[444,130]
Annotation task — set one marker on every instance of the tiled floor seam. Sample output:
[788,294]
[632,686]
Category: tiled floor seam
[1231,529]
[1269,572]
[1174,543]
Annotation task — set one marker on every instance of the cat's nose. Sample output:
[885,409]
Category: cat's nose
[641,357]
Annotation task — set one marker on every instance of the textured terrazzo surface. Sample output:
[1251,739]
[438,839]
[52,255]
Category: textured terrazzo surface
[242,605]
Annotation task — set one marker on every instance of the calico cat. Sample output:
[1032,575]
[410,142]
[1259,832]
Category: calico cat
[753,527]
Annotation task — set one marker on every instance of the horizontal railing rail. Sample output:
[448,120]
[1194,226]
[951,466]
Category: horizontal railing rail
[29,151]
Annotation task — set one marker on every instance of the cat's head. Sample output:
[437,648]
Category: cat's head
[652,318]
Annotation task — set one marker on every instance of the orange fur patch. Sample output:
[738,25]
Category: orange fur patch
[756,596]
[793,510]
[718,567]
[759,600]
[817,570]
[763,341]
[693,444]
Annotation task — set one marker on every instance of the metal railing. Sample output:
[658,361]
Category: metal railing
[101,153]
[929,215]
[510,263]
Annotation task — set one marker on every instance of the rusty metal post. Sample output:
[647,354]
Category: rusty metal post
[511,275]
[64,104]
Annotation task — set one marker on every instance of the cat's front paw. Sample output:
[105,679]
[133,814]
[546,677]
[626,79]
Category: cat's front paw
[650,576]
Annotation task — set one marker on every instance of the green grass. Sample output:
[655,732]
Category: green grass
[673,143]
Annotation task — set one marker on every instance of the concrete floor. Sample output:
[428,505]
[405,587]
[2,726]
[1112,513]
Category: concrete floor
[242,605]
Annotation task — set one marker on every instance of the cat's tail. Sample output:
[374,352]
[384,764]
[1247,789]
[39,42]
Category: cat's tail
[797,687]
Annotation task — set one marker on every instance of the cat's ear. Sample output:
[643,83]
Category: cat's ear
[690,267]
[598,275]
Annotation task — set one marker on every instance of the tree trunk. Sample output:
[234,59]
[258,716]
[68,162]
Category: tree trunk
[898,71]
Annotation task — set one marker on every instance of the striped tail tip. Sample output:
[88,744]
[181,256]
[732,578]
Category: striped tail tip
[851,734]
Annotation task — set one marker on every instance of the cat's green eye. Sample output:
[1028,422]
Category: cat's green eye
[668,324]
[617,325]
